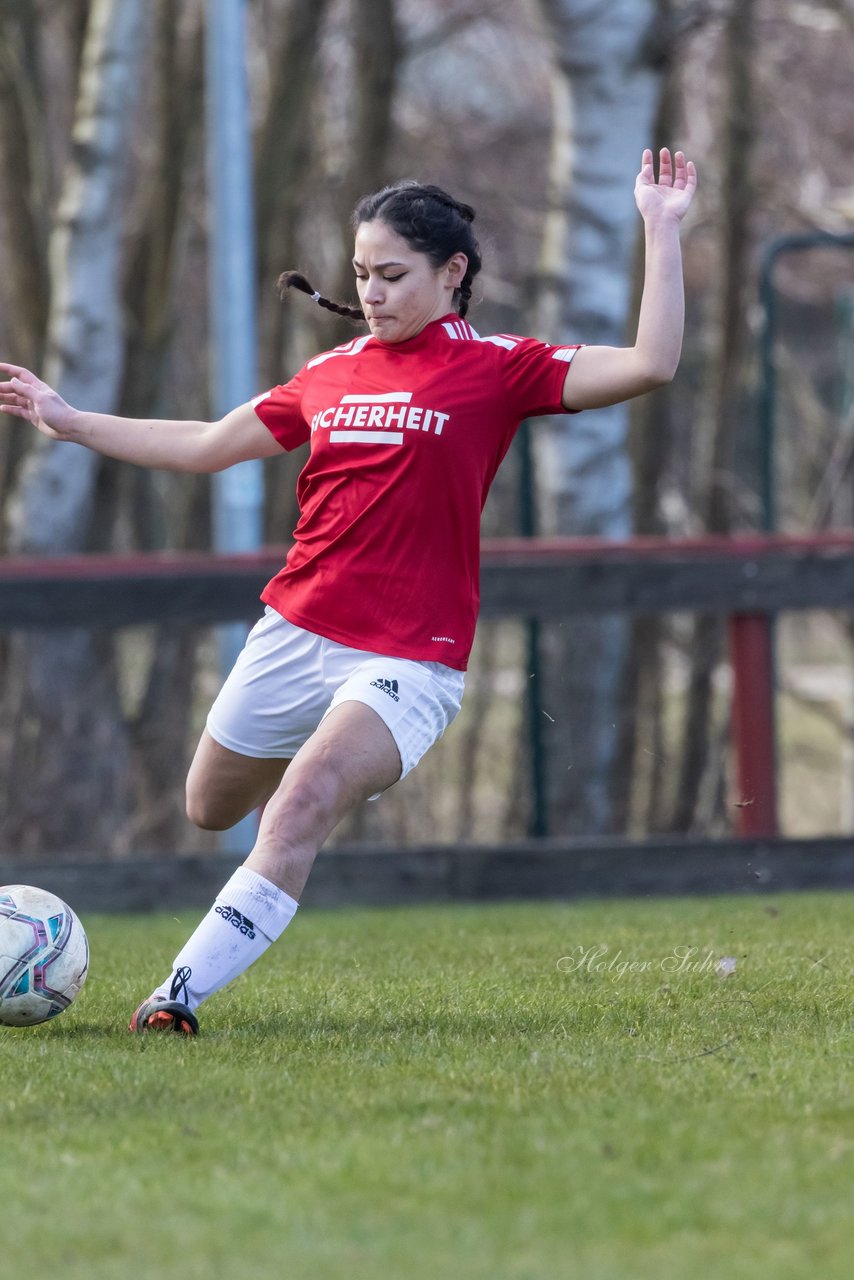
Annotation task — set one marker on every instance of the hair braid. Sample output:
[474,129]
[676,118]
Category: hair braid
[296,280]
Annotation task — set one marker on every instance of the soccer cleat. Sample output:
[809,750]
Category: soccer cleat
[158,1014]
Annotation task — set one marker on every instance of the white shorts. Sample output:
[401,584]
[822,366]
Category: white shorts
[286,680]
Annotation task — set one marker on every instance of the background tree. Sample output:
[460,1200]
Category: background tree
[64,691]
[614,87]
[726,382]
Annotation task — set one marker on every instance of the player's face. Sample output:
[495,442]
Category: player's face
[399,288]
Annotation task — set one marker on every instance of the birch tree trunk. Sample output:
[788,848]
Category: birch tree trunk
[22,238]
[585,470]
[85,345]
[70,733]
[737,188]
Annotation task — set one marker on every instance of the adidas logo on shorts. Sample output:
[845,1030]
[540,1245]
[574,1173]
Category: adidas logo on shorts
[242,923]
[387,686]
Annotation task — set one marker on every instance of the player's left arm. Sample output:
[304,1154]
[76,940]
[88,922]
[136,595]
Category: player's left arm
[601,376]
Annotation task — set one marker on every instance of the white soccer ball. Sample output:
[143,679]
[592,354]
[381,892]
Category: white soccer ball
[44,955]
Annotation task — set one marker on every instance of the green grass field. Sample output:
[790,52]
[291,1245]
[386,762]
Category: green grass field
[477,1093]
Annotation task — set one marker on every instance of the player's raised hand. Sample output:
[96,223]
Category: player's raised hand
[672,194]
[23,395]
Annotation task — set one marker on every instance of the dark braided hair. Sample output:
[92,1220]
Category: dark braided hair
[428,219]
[296,280]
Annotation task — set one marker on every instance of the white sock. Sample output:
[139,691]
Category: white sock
[249,913]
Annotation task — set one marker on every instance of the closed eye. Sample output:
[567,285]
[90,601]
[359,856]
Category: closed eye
[361,275]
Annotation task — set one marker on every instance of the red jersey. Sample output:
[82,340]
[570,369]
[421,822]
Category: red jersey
[406,439]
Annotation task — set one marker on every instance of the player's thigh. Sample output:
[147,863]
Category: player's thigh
[351,756]
[223,786]
[416,701]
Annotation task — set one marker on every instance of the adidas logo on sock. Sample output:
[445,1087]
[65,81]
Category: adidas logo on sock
[387,686]
[232,916]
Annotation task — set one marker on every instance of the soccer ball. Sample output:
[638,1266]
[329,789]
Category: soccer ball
[44,955]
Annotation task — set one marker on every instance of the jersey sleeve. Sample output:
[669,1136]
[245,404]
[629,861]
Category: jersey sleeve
[533,374]
[280,409]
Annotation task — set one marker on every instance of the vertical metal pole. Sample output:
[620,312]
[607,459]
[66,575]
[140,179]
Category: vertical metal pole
[538,821]
[767,390]
[753,649]
[237,494]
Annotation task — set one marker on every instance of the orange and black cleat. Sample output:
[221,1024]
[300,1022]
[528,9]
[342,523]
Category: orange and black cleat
[157,1014]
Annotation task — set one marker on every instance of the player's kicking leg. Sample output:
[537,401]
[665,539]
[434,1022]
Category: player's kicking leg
[350,757]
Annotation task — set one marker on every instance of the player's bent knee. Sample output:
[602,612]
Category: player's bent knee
[209,814]
[203,817]
[224,786]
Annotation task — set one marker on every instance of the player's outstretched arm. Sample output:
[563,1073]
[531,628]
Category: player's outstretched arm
[600,376]
[171,445]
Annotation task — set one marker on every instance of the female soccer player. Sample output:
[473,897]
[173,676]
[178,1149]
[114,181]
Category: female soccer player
[356,667]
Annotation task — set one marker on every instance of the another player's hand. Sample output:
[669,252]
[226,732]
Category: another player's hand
[26,396]
[672,194]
